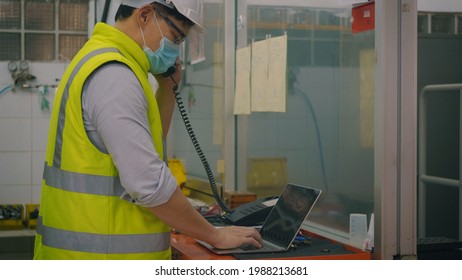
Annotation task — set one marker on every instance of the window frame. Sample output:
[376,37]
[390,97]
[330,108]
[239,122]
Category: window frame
[56,32]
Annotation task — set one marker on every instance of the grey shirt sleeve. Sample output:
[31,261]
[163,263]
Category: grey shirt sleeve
[115,118]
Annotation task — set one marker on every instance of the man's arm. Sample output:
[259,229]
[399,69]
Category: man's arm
[178,213]
[116,107]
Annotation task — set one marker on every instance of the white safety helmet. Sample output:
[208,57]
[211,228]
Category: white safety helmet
[191,9]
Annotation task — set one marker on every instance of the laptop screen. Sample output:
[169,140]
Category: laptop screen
[287,216]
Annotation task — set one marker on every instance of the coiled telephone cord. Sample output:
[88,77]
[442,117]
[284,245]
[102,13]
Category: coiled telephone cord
[197,147]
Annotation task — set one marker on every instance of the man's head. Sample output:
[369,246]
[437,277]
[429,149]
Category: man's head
[188,11]
[159,27]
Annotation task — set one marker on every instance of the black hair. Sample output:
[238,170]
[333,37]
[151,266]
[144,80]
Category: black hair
[125,12]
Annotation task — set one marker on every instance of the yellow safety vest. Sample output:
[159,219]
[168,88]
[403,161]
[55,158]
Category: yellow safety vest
[81,213]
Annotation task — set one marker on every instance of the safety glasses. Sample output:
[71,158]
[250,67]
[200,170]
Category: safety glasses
[182,37]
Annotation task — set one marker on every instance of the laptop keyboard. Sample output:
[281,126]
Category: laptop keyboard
[250,247]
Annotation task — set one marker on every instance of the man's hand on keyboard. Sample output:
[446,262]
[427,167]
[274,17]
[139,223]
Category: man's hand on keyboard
[234,236]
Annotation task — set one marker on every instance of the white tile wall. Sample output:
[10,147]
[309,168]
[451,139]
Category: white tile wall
[15,168]
[15,135]
[14,104]
[36,192]
[40,129]
[23,134]
[38,159]
[15,194]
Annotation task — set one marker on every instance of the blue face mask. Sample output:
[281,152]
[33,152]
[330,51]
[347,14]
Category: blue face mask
[164,57]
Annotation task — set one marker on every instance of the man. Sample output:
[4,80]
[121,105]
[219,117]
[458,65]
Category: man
[107,192]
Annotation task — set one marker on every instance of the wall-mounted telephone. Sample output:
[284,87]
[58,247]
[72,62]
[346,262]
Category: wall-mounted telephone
[252,213]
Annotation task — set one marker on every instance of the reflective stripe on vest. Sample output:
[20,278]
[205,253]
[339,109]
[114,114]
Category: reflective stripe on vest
[62,108]
[102,243]
[82,183]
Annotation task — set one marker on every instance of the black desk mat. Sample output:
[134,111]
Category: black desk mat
[318,247]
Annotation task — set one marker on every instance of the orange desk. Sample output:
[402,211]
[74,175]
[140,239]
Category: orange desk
[186,248]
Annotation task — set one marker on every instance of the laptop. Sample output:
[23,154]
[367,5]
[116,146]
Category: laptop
[283,222]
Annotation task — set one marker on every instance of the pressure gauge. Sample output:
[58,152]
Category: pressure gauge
[23,65]
[12,66]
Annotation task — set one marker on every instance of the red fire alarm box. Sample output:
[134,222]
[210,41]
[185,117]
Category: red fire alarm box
[363,17]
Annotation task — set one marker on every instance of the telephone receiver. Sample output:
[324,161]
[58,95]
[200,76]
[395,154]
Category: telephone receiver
[169,72]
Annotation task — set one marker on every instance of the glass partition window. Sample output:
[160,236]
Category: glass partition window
[202,96]
[325,139]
